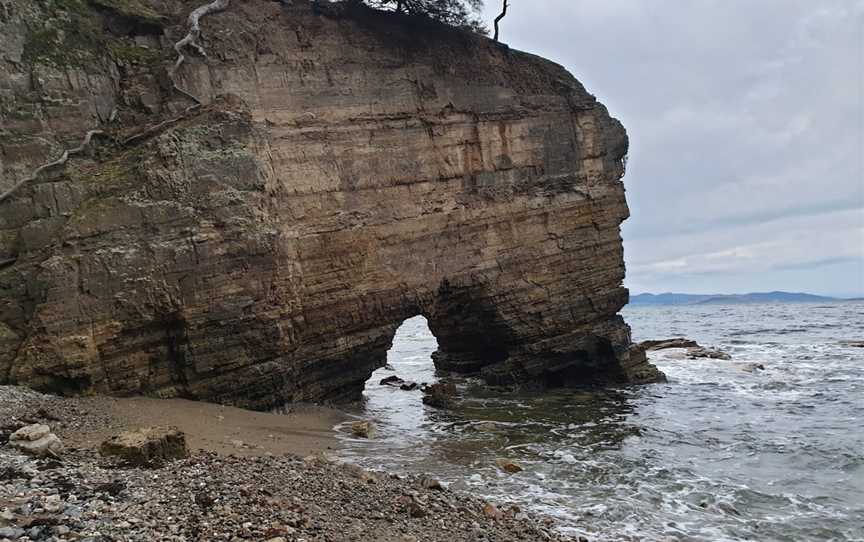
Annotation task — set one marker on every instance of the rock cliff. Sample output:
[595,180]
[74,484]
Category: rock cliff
[347,170]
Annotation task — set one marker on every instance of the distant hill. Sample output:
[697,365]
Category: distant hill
[667,299]
[726,299]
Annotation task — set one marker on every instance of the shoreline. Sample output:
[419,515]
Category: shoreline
[263,489]
[210,427]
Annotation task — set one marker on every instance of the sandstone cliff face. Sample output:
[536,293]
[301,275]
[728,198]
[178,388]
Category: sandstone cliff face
[346,173]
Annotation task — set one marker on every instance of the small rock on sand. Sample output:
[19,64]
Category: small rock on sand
[415,510]
[491,511]
[432,483]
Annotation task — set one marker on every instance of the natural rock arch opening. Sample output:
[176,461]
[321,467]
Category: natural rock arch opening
[409,358]
[457,329]
[460,330]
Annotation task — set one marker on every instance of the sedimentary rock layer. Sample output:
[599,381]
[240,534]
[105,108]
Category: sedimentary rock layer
[348,170]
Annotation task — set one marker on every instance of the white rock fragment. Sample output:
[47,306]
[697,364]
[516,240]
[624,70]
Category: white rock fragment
[36,439]
[31,432]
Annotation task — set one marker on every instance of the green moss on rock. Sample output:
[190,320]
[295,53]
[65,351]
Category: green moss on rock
[124,52]
[69,36]
[133,9]
[72,33]
[114,175]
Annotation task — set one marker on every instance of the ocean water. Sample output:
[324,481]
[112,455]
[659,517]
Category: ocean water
[717,454]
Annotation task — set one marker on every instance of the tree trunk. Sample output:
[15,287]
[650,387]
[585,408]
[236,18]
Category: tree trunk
[499,17]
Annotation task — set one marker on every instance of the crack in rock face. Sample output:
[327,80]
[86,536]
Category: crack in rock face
[337,179]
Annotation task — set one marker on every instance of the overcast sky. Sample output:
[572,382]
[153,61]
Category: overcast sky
[745,120]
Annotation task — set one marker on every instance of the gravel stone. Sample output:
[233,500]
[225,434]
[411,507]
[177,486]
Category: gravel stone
[211,497]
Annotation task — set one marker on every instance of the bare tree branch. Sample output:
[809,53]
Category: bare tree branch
[498,18]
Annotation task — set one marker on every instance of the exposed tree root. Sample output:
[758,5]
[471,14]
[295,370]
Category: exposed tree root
[187,94]
[147,132]
[189,40]
[58,162]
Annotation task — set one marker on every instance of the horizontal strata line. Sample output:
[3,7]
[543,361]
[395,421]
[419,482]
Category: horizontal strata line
[431,181]
[465,225]
[421,118]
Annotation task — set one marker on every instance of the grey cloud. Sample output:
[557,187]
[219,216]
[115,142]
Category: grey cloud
[819,263]
[745,120]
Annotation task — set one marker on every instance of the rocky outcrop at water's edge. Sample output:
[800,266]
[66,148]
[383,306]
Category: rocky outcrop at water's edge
[344,171]
[692,349]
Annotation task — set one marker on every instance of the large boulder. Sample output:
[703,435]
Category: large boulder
[439,395]
[148,446]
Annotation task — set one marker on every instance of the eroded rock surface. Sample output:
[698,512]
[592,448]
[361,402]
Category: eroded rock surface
[147,446]
[691,349]
[346,172]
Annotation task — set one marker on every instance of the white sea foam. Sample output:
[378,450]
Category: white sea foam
[717,454]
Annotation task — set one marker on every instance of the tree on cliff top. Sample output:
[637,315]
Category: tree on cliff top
[461,13]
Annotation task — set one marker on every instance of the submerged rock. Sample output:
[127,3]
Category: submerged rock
[750,367]
[363,429]
[702,352]
[391,381]
[509,466]
[146,447]
[397,382]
